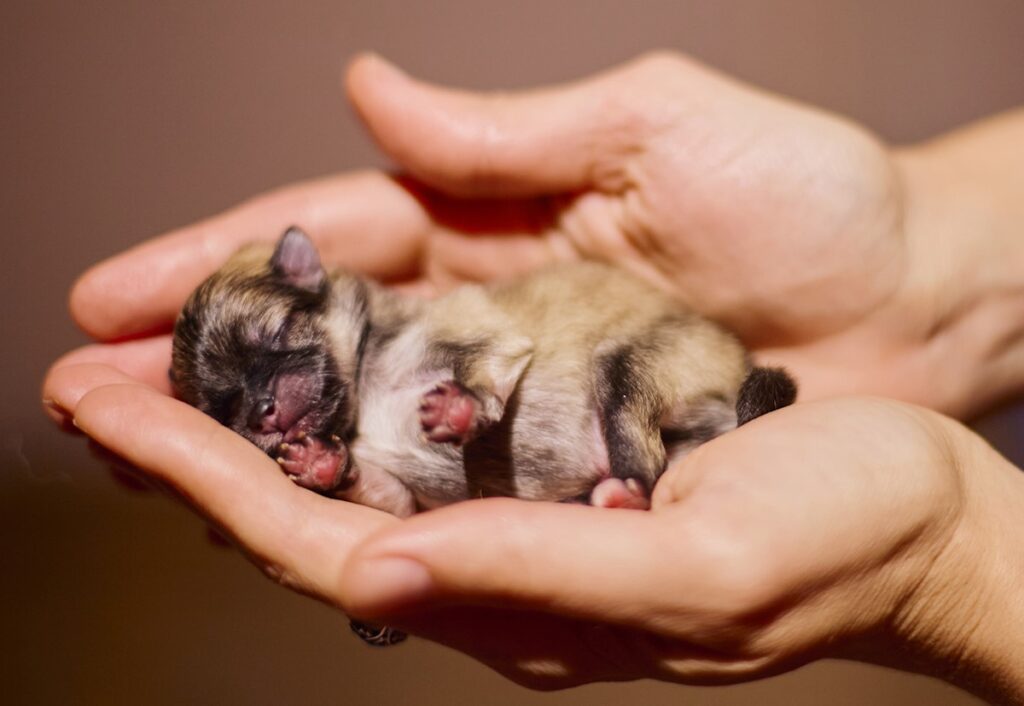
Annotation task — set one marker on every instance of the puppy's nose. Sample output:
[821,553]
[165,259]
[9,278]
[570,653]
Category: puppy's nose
[261,415]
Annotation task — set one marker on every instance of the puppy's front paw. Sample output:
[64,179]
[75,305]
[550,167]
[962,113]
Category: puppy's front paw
[450,414]
[317,464]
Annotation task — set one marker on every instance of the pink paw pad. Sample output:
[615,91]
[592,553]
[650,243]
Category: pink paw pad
[615,492]
[314,463]
[448,413]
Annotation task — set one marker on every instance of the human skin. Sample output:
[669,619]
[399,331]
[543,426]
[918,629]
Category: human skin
[851,528]
[863,269]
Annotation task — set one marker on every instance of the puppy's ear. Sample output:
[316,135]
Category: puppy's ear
[296,261]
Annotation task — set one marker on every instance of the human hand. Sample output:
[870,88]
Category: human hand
[857,529]
[296,537]
[789,225]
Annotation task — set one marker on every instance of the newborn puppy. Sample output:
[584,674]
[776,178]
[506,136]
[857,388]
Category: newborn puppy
[578,383]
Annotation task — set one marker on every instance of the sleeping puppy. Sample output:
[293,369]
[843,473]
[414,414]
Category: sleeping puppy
[578,383]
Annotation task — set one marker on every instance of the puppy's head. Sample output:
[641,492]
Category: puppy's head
[253,348]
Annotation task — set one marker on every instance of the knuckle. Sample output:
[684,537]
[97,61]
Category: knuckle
[274,572]
[282,576]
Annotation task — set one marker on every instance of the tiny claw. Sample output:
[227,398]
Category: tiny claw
[283,447]
[301,435]
[280,461]
[335,438]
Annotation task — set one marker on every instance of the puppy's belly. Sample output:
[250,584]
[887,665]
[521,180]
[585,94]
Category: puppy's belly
[390,440]
[553,452]
[558,456]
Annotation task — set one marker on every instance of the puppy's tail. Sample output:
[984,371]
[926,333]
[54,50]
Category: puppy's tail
[765,390]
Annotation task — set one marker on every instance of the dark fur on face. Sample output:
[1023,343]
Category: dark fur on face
[249,349]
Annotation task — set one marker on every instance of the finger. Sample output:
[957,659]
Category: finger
[297,537]
[67,382]
[147,360]
[545,651]
[122,472]
[456,259]
[556,139]
[64,385]
[479,240]
[537,650]
[364,221]
[576,561]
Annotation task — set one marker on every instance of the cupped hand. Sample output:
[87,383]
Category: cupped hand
[296,537]
[855,528]
[852,528]
[783,222]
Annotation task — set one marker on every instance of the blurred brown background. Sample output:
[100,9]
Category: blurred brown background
[123,119]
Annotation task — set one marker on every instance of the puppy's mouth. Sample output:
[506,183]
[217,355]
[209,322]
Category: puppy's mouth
[295,422]
[288,404]
[307,452]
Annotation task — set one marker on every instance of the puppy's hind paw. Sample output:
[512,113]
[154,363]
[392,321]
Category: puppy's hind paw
[449,414]
[615,492]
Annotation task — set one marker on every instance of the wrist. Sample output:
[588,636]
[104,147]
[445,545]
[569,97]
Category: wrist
[964,213]
[964,620]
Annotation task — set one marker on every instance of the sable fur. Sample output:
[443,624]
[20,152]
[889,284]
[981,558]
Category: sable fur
[573,375]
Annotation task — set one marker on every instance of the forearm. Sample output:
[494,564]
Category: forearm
[994,651]
[965,619]
[964,225]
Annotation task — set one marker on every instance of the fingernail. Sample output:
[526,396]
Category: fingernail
[392,581]
[55,412]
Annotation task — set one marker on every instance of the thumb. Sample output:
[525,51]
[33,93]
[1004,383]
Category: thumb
[527,143]
[576,561]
